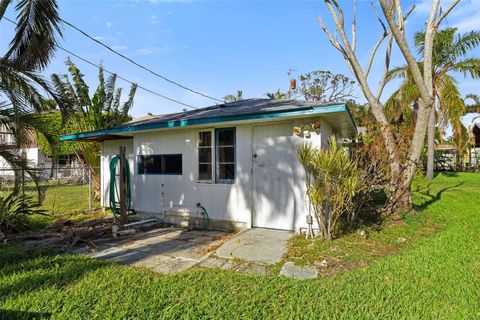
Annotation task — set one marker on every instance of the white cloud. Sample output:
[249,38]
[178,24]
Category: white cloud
[108,24]
[99,38]
[464,16]
[158,50]
[144,51]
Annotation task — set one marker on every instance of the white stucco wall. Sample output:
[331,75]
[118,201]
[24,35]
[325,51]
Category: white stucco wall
[181,193]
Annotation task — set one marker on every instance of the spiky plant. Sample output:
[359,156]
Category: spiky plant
[234,97]
[277,95]
[14,209]
[333,181]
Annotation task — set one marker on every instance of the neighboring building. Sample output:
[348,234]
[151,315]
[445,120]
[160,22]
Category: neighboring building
[35,157]
[446,154]
[238,160]
[474,151]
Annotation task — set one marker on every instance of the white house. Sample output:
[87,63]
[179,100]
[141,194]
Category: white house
[238,160]
[35,157]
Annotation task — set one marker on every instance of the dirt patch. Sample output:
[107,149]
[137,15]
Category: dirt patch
[217,242]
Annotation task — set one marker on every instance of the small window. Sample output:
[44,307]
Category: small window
[205,156]
[160,164]
[225,155]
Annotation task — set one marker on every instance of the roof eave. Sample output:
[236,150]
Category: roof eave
[128,129]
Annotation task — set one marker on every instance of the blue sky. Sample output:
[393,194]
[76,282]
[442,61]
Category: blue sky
[218,47]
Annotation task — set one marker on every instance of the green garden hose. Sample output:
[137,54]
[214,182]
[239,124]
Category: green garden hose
[114,189]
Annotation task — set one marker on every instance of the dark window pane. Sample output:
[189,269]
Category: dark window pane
[205,155]
[160,164]
[226,154]
[172,164]
[226,171]
[205,172]
[205,139]
[226,137]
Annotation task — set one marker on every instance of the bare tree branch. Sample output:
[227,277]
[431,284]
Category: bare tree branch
[379,42]
[354,26]
[386,68]
[445,13]
[389,13]
[334,42]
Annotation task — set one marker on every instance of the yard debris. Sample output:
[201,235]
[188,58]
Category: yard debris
[322,263]
[65,234]
[401,240]
[362,233]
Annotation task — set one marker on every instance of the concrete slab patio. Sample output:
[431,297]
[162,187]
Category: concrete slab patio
[164,250]
[170,250]
[256,245]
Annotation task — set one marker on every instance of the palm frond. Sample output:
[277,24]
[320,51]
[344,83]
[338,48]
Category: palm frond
[81,88]
[38,24]
[465,43]
[468,67]
[3,6]
[128,105]
[109,93]
[450,98]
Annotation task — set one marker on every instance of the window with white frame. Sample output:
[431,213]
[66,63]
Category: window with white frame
[205,156]
[225,155]
[216,155]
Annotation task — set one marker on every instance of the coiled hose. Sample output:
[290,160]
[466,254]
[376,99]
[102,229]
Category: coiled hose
[114,189]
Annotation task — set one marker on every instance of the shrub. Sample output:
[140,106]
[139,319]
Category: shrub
[14,210]
[333,183]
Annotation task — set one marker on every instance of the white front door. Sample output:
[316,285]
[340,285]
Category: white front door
[274,158]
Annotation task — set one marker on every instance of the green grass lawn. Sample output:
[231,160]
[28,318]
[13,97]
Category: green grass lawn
[62,202]
[435,277]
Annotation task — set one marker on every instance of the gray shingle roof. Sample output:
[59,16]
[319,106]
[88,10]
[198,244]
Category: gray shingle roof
[234,111]
[242,107]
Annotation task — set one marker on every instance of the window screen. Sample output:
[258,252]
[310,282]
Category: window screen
[205,158]
[225,154]
[160,164]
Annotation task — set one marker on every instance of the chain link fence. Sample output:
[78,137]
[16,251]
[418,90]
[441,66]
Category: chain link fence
[61,189]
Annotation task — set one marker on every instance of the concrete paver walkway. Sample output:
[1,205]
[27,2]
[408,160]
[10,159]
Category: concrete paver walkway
[256,245]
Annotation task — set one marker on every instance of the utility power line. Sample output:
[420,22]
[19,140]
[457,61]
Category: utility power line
[126,80]
[138,64]
[114,73]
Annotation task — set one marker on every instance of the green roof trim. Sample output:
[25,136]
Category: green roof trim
[130,128]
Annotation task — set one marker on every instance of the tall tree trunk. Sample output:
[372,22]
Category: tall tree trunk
[399,200]
[431,144]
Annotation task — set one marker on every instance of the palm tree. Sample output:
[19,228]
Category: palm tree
[450,55]
[278,95]
[103,110]
[29,52]
[233,98]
